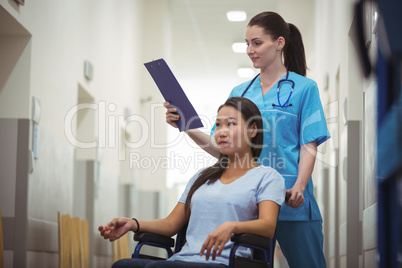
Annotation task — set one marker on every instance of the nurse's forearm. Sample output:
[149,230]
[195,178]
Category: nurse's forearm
[308,154]
[306,165]
[206,142]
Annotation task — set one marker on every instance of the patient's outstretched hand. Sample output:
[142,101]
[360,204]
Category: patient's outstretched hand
[116,228]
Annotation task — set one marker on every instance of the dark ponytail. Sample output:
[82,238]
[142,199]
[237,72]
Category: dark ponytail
[251,114]
[293,52]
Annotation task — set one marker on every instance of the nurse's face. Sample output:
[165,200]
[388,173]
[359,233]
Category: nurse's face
[231,134]
[261,48]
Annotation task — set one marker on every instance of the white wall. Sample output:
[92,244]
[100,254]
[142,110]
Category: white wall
[156,37]
[347,98]
[43,48]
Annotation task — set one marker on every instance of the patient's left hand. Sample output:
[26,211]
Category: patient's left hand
[216,240]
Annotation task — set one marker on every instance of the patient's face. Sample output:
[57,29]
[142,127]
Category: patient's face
[231,135]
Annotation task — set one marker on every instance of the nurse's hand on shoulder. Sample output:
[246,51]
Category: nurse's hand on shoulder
[171,115]
[296,197]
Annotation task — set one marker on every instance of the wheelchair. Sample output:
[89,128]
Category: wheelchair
[263,248]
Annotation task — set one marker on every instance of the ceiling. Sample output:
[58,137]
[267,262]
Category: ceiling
[202,37]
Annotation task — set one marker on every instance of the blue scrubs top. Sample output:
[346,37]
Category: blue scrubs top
[285,130]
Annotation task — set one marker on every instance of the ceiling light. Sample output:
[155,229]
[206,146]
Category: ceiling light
[236,15]
[245,72]
[239,47]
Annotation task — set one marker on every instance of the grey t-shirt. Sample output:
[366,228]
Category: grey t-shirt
[214,204]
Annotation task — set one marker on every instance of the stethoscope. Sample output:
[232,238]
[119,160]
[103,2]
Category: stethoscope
[286,80]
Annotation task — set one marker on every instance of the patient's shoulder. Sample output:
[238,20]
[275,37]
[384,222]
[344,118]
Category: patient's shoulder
[268,171]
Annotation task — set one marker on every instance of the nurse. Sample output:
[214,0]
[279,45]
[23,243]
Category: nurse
[294,125]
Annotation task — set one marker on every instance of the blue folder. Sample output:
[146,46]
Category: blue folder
[174,94]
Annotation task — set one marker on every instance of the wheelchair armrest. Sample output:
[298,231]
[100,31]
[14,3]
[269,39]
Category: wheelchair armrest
[154,238]
[251,239]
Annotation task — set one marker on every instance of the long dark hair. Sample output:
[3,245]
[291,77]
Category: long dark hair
[251,114]
[275,26]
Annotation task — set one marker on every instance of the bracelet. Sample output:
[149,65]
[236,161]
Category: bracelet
[138,225]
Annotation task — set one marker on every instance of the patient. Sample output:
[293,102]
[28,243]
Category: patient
[236,195]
